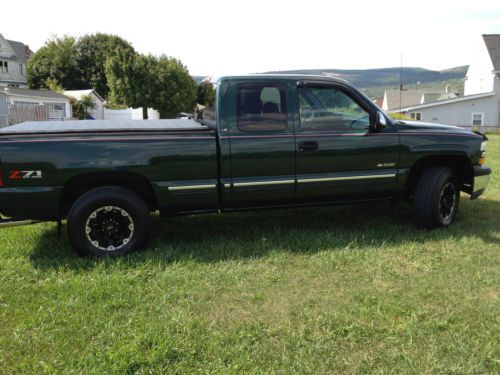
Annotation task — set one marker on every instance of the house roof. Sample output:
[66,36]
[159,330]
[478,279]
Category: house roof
[79,93]
[21,50]
[34,93]
[429,97]
[444,102]
[408,98]
[492,42]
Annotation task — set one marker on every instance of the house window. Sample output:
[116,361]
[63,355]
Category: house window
[4,66]
[21,69]
[55,111]
[477,119]
[416,116]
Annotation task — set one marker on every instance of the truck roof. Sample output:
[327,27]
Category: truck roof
[291,77]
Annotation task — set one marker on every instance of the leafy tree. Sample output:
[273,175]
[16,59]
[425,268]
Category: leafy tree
[205,94]
[54,62]
[146,81]
[131,80]
[81,106]
[76,64]
[175,89]
[91,53]
[53,85]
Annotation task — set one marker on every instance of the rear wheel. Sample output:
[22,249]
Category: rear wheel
[436,198]
[108,221]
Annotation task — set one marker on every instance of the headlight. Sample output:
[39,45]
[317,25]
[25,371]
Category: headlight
[482,157]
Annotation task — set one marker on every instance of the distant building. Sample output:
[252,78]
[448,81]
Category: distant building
[93,114]
[13,58]
[32,105]
[480,105]
[396,99]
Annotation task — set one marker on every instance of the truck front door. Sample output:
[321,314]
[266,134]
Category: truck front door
[338,157]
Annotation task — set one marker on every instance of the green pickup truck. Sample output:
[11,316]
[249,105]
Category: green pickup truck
[270,141]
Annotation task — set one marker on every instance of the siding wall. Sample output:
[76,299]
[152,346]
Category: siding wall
[460,114]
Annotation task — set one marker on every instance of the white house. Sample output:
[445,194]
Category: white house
[98,112]
[480,105]
[29,105]
[13,58]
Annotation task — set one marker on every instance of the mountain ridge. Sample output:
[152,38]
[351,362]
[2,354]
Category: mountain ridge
[383,77]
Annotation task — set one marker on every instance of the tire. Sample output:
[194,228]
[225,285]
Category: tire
[108,222]
[437,198]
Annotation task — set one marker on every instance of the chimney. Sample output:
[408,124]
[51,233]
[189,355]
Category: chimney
[27,51]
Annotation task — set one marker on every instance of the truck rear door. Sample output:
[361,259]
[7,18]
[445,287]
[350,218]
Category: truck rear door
[262,144]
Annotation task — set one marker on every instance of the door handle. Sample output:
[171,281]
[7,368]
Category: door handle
[308,146]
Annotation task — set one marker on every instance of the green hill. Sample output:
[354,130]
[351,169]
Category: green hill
[386,77]
[375,81]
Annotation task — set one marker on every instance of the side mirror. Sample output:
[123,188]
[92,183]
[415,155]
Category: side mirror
[380,121]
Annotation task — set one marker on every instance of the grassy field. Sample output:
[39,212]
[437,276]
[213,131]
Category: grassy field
[348,289]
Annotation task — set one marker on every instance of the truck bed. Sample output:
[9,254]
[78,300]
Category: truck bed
[98,126]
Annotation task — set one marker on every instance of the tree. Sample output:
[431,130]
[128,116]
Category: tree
[76,64]
[54,62]
[175,89]
[146,81]
[131,80]
[205,94]
[81,106]
[91,53]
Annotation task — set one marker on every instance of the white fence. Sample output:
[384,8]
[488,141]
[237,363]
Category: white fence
[129,114]
[4,111]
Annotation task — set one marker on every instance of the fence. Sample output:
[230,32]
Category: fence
[20,112]
[4,113]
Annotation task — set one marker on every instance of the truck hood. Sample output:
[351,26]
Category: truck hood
[426,127]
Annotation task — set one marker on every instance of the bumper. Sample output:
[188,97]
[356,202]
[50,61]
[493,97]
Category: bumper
[481,179]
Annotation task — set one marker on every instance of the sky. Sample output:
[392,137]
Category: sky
[235,37]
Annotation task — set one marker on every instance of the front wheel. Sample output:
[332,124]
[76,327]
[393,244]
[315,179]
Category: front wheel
[436,198]
[108,221]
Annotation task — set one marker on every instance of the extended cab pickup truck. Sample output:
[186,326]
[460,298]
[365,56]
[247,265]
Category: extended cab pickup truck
[270,141]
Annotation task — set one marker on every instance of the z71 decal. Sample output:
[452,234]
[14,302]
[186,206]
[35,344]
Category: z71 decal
[23,175]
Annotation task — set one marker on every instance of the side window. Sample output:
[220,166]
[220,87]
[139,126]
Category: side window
[329,108]
[261,107]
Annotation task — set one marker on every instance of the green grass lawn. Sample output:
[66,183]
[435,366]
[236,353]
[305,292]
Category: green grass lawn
[347,289]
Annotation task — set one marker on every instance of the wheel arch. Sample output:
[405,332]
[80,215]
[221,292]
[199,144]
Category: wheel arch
[81,184]
[460,164]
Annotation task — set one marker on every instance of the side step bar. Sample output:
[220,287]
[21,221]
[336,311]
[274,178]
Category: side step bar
[5,223]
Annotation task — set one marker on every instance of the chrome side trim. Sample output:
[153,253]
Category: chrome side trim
[191,187]
[6,223]
[263,183]
[347,178]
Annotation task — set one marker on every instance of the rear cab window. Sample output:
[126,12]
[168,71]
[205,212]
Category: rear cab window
[261,107]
